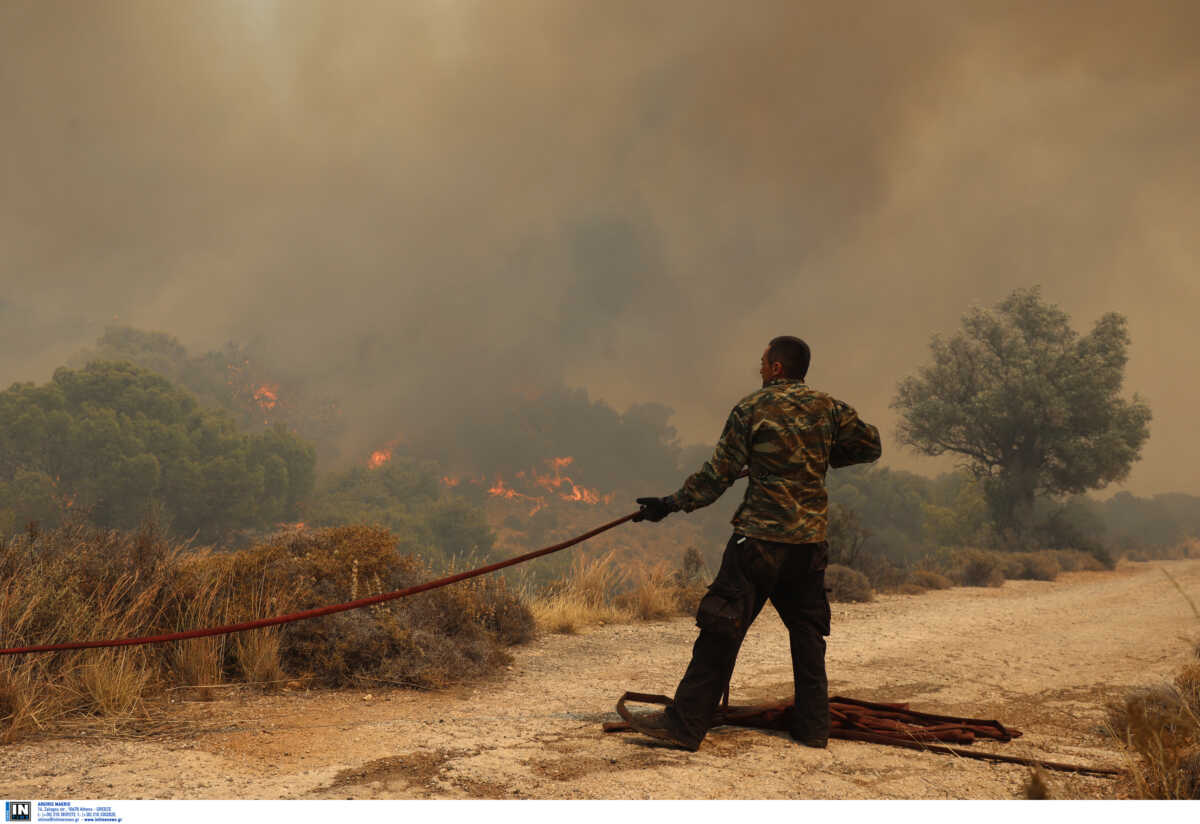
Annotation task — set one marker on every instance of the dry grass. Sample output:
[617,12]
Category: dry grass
[82,583]
[654,592]
[1161,728]
[585,596]
[1037,786]
[596,591]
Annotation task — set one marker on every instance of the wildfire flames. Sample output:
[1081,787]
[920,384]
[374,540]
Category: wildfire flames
[499,490]
[537,486]
[267,396]
[381,456]
[553,483]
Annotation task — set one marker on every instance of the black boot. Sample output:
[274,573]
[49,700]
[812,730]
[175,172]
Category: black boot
[659,725]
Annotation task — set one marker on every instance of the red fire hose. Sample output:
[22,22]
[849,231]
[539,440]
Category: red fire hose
[329,610]
[319,611]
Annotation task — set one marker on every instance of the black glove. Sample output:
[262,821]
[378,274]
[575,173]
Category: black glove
[655,509]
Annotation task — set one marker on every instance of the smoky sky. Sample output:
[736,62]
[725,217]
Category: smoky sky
[426,206]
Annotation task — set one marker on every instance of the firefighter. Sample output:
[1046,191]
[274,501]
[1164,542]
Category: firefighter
[788,435]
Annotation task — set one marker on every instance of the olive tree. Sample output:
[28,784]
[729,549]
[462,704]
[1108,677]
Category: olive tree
[1032,407]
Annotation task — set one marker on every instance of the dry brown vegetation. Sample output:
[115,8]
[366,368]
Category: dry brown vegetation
[1160,726]
[596,591]
[929,579]
[845,584]
[78,582]
[1188,548]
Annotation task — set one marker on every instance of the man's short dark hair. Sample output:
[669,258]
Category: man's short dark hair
[793,353]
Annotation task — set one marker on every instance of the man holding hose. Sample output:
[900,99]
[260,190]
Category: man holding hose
[788,434]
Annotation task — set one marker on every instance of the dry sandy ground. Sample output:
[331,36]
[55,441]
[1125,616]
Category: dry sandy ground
[1040,656]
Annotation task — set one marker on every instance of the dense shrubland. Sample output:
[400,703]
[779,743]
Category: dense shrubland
[79,582]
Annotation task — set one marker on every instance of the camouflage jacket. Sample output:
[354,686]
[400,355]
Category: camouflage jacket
[789,435]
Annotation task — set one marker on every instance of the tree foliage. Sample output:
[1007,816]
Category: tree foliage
[1031,406]
[888,502]
[610,449]
[405,496]
[111,440]
[233,379]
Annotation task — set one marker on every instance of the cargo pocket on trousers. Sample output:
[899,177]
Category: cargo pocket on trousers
[723,611]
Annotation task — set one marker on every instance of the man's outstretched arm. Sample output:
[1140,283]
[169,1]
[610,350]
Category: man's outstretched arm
[716,475]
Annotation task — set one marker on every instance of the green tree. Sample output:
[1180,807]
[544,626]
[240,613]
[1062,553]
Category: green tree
[404,496]
[111,440]
[1031,406]
[958,513]
[846,536]
[255,394]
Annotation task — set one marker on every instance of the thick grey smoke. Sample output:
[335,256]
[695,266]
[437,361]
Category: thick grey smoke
[426,207]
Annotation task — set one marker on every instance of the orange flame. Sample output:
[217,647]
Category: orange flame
[384,454]
[498,488]
[454,480]
[555,483]
[579,493]
[267,396]
[501,490]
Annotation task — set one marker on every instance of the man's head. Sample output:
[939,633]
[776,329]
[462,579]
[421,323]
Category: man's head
[785,357]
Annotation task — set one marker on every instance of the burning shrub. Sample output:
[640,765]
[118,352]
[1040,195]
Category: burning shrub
[846,584]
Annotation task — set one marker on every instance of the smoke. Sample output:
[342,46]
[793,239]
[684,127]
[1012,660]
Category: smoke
[430,208]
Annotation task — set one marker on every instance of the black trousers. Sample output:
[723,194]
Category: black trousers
[752,571]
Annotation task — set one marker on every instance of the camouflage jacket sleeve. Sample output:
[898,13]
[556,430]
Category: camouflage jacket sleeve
[856,442]
[722,469]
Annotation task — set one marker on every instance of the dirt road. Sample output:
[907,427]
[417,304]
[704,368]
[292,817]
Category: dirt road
[1040,656]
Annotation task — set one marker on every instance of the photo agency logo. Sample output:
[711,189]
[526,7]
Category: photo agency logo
[18,810]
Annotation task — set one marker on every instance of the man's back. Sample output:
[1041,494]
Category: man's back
[788,434]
